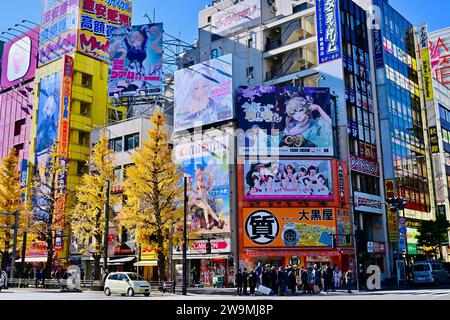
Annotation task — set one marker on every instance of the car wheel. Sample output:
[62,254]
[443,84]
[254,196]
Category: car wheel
[147,294]
[130,292]
[107,292]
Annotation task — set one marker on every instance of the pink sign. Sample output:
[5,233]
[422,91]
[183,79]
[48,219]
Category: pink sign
[19,59]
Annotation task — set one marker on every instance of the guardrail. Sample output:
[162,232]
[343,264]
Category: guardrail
[50,283]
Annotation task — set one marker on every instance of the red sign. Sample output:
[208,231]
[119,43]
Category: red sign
[289,253]
[65,107]
[217,246]
[364,166]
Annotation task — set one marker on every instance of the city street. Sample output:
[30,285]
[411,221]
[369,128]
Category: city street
[228,294]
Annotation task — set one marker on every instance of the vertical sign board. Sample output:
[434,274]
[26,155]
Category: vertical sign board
[378,48]
[64,129]
[402,242]
[426,62]
[328,30]
[434,139]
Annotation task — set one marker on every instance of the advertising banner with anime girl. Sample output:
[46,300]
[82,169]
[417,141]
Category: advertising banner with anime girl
[136,60]
[206,165]
[204,93]
[285,121]
[288,179]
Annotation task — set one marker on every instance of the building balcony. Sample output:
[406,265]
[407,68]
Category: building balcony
[296,60]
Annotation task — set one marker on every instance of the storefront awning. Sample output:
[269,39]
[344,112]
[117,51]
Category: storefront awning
[32,259]
[120,261]
[147,263]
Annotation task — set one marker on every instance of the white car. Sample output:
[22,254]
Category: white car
[126,283]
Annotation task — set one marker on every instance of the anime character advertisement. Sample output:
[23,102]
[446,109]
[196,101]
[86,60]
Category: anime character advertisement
[207,168]
[136,60]
[47,122]
[285,121]
[288,179]
[203,94]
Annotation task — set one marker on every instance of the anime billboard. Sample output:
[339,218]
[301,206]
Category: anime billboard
[288,179]
[47,127]
[203,93]
[206,165]
[285,121]
[136,64]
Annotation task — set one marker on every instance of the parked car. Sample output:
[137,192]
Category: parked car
[431,272]
[126,283]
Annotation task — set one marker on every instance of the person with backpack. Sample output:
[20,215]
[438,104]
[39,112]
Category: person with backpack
[348,280]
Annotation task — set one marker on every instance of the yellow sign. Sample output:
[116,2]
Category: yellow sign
[427,77]
[393,226]
[98,19]
[149,253]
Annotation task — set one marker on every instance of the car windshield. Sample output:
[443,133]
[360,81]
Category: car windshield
[421,267]
[135,277]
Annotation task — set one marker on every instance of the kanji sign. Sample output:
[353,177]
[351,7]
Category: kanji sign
[434,139]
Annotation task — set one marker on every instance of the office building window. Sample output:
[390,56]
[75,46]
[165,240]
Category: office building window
[116,144]
[84,138]
[82,168]
[86,80]
[18,125]
[85,108]
[131,141]
[250,73]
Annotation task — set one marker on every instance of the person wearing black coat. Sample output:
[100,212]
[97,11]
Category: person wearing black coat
[266,277]
[304,277]
[291,281]
[245,281]
[239,282]
[252,280]
[273,281]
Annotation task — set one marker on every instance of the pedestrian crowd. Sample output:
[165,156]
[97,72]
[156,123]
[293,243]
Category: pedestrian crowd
[292,280]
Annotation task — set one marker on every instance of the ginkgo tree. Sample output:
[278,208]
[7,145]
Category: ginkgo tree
[10,201]
[153,194]
[88,215]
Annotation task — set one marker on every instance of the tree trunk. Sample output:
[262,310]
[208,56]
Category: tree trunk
[97,270]
[161,256]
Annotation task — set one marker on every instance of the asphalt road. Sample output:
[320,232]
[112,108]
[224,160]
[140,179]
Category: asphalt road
[228,294]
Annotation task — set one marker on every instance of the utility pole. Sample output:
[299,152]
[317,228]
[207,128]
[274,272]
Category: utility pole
[184,289]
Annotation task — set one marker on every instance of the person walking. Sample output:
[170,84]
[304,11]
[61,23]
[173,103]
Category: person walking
[311,281]
[252,281]
[245,281]
[292,281]
[239,282]
[348,280]
[337,274]
[259,272]
[273,281]
[330,279]
[38,277]
[304,275]
[266,277]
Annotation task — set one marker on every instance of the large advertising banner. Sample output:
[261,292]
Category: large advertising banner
[288,227]
[19,59]
[136,64]
[98,19]
[288,179]
[47,126]
[58,31]
[286,121]
[66,102]
[204,93]
[205,162]
[328,30]
[243,14]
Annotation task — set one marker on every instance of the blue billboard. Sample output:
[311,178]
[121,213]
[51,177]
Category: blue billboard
[328,30]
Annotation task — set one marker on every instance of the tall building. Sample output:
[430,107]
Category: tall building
[284,43]
[71,81]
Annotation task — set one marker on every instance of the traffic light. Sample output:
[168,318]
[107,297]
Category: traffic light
[401,203]
[208,247]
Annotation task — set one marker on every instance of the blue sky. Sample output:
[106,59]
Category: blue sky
[180,16]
